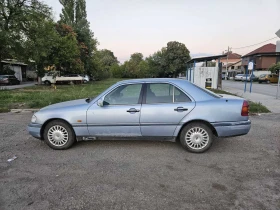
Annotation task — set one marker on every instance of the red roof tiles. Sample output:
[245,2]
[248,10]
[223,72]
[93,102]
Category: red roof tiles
[268,48]
[232,56]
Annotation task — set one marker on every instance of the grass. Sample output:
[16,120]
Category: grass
[254,107]
[40,96]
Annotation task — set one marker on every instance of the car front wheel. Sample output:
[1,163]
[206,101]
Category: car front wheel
[59,135]
[196,137]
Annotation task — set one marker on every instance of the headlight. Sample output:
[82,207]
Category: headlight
[33,119]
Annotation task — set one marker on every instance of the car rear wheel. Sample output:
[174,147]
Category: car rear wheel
[47,82]
[196,137]
[267,81]
[59,135]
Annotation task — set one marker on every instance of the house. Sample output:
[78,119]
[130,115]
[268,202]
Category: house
[204,72]
[262,57]
[233,68]
[230,58]
[18,67]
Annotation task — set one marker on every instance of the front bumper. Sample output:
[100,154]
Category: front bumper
[34,130]
[227,129]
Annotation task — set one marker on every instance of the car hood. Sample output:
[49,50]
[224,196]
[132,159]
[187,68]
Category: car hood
[66,104]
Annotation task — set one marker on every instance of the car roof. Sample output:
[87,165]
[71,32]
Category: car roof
[144,80]
[196,92]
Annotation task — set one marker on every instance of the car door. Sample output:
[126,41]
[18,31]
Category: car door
[163,107]
[120,114]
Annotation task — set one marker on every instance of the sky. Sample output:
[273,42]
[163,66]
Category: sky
[206,27]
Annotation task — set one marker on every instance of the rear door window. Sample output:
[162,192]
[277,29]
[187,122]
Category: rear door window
[164,93]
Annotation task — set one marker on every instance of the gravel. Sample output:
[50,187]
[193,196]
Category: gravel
[236,173]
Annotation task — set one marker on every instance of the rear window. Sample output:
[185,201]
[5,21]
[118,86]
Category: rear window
[207,91]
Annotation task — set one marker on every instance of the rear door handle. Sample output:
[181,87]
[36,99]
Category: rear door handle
[133,110]
[180,109]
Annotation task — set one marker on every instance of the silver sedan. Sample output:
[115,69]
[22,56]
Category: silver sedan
[148,109]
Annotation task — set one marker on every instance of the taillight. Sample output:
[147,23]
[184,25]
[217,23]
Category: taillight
[245,109]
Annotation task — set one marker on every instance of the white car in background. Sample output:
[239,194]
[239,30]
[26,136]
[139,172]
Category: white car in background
[86,78]
[249,77]
[238,77]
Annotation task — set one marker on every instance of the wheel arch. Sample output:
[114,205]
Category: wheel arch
[52,119]
[197,121]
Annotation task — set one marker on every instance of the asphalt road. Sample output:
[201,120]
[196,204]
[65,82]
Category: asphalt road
[265,89]
[12,87]
[236,173]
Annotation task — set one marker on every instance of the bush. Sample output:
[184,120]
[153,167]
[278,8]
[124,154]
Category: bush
[7,70]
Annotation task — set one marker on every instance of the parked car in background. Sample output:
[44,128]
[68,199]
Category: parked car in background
[238,77]
[250,77]
[224,76]
[165,109]
[9,80]
[54,78]
[268,78]
[86,78]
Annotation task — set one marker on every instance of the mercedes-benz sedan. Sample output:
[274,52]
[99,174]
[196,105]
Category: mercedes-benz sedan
[148,109]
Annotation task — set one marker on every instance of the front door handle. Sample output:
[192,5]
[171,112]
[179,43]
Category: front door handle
[133,110]
[180,109]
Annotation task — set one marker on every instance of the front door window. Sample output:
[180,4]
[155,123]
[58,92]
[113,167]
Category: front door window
[124,95]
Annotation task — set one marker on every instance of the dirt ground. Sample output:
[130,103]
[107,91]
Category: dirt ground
[236,173]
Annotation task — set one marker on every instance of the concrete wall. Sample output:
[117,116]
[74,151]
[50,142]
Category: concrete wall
[202,73]
[267,62]
[258,73]
[18,73]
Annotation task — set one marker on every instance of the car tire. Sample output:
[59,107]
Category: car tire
[59,135]
[267,82]
[260,82]
[196,137]
[47,82]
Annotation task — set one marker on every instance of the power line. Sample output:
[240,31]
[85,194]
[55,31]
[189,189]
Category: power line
[254,44]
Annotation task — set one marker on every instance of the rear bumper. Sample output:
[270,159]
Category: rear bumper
[34,130]
[227,129]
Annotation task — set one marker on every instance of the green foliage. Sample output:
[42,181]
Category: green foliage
[7,71]
[275,68]
[168,62]
[40,96]
[104,61]
[176,56]
[17,20]
[116,71]
[74,14]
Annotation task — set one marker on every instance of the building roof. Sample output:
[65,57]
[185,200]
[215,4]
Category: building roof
[268,48]
[13,62]
[232,55]
[231,64]
[208,58]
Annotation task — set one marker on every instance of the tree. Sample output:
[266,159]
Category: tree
[66,53]
[132,69]
[104,61]
[17,17]
[273,68]
[117,71]
[74,14]
[157,63]
[177,56]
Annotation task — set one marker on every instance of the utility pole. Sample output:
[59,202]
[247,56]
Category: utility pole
[227,64]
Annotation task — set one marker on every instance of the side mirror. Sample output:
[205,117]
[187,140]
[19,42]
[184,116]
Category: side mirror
[100,102]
